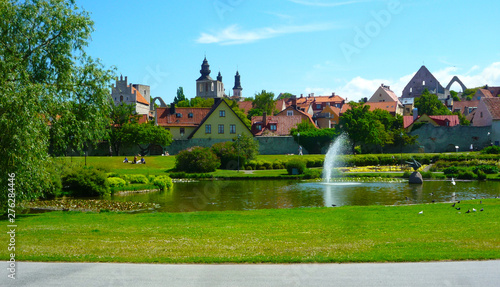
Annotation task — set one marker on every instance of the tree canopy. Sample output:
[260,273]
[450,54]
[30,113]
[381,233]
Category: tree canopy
[50,88]
[180,96]
[265,102]
[430,105]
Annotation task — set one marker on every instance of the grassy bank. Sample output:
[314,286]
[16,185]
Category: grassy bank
[344,234]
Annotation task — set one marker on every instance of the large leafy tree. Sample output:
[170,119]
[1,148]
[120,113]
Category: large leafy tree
[50,88]
[180,96]
[265,102]
[121,115]
[430,105]
[146,135]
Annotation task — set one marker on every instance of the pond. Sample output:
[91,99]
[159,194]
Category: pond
[265,194]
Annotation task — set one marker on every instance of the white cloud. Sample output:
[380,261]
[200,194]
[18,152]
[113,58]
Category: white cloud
[233,34]
[358,87]
[326,3]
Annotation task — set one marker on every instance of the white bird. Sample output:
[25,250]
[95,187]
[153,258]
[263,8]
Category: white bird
[421,212]
[453,181]
[474,210]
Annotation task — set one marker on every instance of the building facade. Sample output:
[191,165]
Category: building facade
[135,94]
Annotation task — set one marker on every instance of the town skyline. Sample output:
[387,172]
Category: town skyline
[300,47]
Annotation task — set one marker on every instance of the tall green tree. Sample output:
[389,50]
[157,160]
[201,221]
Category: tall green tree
[180,96]
[146,135]
[430,105]
[265,101]
[49,87]
[120,115]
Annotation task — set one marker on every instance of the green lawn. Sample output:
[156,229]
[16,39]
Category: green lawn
[343,234]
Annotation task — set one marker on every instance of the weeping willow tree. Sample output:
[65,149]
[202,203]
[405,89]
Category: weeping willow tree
[51,92]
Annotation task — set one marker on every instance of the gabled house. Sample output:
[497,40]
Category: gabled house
[443,121]
[383,94]
[482,93]
[274,125]
[293,111]
[181,122]
[327,118]
[394,108]
[488,114]
[312,104]
[220,123]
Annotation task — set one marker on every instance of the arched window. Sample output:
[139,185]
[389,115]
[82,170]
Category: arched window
[121,98]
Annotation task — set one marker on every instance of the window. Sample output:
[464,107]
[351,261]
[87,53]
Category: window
[178,115]
[411,89]
[423,83]
[200,87]
[145,93]
[121,98]
[289,113]
[208,129]
[481,114]
[221,129]
[258,127]
[212,86]
[222,113]
[190,115]
[318,106]
[273,127]
[232,129]
[182,132]
[167,129]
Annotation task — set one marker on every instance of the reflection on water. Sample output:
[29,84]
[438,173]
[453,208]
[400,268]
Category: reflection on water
[264,194]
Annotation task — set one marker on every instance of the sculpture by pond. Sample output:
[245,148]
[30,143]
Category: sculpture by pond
[415,177]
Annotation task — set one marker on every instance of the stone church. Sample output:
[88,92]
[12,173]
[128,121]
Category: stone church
[206,87]
[137,94]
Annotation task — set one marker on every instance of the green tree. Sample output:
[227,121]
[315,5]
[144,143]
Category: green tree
[284,96]
[49,87]
[265,101]
[254,113]
[180,96]
[430,105]
[146,135]
[120,115]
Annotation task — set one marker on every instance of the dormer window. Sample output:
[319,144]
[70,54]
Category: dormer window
[178,115]
[190,115]
[258,127]
[272,127]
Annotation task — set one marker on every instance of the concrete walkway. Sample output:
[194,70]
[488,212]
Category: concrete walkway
[463,273]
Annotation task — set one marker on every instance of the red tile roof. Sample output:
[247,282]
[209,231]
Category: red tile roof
[460,106]
[304,114]
[495,91]
[139,96]
[486,93]
[283,124]
[493,106]
[166,119]
[453,120]
[245,105]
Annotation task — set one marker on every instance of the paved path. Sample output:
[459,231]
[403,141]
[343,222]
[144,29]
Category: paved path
[464,273]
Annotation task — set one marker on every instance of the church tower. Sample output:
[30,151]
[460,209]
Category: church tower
[206,87]
[237,86]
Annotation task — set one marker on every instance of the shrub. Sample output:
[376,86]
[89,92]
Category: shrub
[312,173]
[85,182]
[278,165]
[491,150]
[228,155]
[252,164]
[138,178]
[197,160]
[481,175]
[406,174]
[297,164]
[116,182]
[488,169]
[163,182]
[466,174]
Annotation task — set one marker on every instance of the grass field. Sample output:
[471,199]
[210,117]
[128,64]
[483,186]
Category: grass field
[344,234]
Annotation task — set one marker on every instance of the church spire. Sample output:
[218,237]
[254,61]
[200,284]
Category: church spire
[219,77]
[237,83]
[205,71]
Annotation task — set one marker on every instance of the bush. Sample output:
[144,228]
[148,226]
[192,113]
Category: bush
[481,175]
[297,164]
[278,165]
[163,182]
[228,155]
[116,182]
[85,182]
[138,178]
[466,174]
[488,169]
[312,173]
[197,160]
[491,150]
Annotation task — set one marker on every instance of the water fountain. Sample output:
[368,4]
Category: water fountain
[331,158]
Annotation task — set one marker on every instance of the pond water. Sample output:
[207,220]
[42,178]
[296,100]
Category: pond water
[263,194]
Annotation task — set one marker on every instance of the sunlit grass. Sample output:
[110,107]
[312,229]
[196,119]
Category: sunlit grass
[343,234]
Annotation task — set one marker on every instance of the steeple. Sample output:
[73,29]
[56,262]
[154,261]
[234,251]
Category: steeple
[237,83]
[205,71]
[219,77]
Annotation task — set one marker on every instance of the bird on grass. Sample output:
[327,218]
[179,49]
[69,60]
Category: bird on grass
[421,212]
[453,181]
[468,211]
[473,209]
[431,194]
[458,201]
[453,205]
[482,209]
[458,208]
[433,200]
[333,205]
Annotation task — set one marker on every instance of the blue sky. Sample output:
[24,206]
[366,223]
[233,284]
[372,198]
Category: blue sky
[348,47]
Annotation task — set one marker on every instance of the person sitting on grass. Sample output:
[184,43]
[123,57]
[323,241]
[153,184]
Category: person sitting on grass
[143,161]
[125,160]
[135,160]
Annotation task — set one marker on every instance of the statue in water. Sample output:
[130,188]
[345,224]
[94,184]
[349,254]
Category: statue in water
[415,164]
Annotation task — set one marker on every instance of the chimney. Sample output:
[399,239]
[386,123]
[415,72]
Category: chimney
[264,118]
[294,101]
[172,108]
[301,95]
[125,79]
[415,114]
